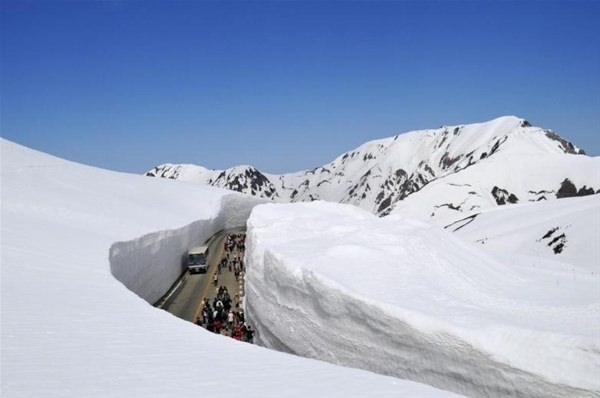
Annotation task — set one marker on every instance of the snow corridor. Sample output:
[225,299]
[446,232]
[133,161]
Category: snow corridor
[297,309]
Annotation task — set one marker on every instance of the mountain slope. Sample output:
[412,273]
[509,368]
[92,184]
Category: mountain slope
[380,173]
[565,231]
[503,179]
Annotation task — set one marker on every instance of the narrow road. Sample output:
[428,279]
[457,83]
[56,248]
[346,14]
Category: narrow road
[186,296]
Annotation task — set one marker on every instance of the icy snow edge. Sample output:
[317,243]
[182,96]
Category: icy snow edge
[407,299]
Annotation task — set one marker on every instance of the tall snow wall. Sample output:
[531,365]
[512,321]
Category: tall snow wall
[405,299]
[150,264]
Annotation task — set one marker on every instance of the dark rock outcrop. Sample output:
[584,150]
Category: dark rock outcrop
[502,196]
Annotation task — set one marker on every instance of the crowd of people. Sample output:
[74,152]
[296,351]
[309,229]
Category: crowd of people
[224,315]
[222,318]
[233,259]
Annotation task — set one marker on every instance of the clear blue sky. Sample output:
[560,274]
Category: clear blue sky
[286,86]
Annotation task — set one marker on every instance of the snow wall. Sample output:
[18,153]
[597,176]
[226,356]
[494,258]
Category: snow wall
[350,292]
[149,265]
[69,328]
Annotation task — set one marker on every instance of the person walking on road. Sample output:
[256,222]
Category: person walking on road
[230,319]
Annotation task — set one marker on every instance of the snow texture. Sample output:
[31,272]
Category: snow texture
[408,299]
[71,329]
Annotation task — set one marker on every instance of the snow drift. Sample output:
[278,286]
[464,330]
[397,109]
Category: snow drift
[69,328]
[408,299]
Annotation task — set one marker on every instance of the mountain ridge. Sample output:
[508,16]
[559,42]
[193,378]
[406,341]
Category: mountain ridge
[381,173]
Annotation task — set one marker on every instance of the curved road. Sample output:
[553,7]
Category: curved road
[184,299]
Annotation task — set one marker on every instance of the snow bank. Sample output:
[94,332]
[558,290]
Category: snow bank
[407,299]
[70,329]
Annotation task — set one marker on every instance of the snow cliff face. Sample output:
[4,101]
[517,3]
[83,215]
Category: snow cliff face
[405,298]
[380,174]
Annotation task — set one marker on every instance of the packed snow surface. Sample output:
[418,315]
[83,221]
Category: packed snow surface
[409,299]
[71,329]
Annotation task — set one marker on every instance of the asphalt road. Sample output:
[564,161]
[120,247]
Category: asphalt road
[186,296]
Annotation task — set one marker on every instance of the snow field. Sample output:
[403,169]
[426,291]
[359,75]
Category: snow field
[521,175]
[403,298]
[520,230]
[70,329]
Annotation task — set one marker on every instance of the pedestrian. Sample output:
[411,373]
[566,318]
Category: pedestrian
[249,335]
[230,318]
[238,333]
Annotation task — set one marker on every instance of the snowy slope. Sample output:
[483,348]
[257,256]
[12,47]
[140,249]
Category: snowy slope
[245,179]
[502,180]
[380,173]
[71,329]
[405,298]
[566,231]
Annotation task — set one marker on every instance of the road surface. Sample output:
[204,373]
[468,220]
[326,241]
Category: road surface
[184,299]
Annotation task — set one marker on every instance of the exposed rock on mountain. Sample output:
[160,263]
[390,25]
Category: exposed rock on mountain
[502,196]
[426,173]
[568,189]
[565,231]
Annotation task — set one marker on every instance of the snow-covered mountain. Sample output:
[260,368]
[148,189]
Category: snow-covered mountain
[505,160]
[85,250]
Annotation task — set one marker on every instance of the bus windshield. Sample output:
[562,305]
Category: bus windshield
[196,259]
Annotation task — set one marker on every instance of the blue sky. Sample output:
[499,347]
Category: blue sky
[289,85]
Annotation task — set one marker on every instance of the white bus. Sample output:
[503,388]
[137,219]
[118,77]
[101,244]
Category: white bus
[197,259]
